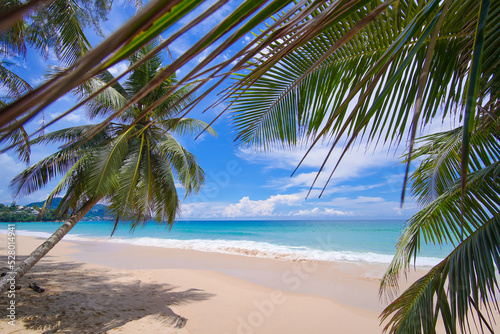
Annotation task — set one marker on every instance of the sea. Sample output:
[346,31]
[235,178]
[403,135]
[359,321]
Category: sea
[367,241]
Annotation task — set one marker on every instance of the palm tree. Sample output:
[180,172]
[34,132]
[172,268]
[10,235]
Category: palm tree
[133,164]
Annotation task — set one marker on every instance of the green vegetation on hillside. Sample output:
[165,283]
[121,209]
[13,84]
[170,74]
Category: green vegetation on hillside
[30,212]
[98,212]
[18,213]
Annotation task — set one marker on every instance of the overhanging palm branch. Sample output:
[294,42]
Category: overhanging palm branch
[379,44]
[58,164]
[376,73]
[441,167]
[441,220]
[163,16]
[55,26]
[468,273]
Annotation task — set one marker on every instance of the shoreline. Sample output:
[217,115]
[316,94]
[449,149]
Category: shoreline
[260,249]
[309,277]
[117,288]
[351,283]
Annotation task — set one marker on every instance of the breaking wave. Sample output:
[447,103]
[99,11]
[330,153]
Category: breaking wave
[247,248]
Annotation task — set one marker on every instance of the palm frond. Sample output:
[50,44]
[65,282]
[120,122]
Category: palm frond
[377,71]
[187,126]
[108,161]
[441,220]
[437,185]
[60,25]
[13,84]
[470,273]
[441,165]
[39,174]
[71,135]
[12,38]
[189,174]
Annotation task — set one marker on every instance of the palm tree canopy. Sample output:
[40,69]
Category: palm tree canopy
[56,26]
[397,63]
[135,164]
[53,27]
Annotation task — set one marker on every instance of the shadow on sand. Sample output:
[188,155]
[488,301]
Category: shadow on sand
[81,300]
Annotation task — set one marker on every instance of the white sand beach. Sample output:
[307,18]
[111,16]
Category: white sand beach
[100,287]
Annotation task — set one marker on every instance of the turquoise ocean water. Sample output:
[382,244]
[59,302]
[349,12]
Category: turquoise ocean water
[350,240]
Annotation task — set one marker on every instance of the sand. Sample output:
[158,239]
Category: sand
[100,287]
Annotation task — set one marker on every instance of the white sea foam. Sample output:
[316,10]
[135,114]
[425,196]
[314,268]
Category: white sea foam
[268,250]
[247,248]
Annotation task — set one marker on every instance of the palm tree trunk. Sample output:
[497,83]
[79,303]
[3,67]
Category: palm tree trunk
[48,244]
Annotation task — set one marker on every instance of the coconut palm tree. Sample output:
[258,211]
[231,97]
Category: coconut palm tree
[135,165]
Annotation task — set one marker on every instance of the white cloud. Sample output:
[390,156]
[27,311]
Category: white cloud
[9,165]
[36,81]
[325,212]
[365,199]
[76,116]
[295,205]
[260,208]
[201,57]
[247,39]
[118,68]
[178,47]
[356,163]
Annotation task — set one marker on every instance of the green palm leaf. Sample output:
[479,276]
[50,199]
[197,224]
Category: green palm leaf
[187,126]
[14,85]
[470,271]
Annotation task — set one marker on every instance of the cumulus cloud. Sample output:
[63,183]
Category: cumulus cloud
[77,117]
[118,68]
[356,164]
[274,206]
[295,205]
[324,212]
[259,208]
[9,165]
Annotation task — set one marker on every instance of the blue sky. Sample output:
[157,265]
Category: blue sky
[241,182]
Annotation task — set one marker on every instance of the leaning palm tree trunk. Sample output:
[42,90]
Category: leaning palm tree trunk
[48,244]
